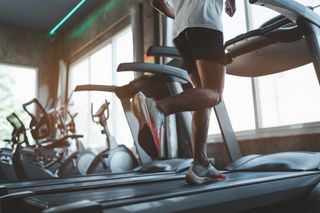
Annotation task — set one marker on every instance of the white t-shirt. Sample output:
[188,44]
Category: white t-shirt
[197,13]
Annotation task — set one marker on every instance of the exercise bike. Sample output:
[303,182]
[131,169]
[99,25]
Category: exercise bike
[78,162]
[116,158]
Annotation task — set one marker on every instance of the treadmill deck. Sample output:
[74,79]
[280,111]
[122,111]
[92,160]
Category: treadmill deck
[176,195]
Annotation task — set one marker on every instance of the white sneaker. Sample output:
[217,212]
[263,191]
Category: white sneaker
[198,174]
[148,113]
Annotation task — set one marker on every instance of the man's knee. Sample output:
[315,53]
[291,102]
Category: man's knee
[214,98]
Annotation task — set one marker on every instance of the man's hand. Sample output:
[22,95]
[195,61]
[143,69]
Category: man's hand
[163,7]
[230,7]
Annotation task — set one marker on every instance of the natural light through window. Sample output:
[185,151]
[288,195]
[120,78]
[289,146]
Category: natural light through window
[289,97]
[238,90]
[18,85]
[100,68]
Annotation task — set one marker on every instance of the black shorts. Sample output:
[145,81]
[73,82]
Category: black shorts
[200,43]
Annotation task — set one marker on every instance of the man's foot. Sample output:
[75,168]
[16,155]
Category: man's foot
[198,174]
[148,113]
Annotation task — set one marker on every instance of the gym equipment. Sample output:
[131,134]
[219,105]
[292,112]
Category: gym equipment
[170,169]
[245,190]
[23,167]
[254,191]
[155,86]
[272,182]
[41,160]
[116,158]
[6,168]
[78,162]
[67,165]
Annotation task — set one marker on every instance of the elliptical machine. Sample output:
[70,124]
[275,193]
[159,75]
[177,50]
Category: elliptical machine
[6,168]
[116,158]
[24,168]
[64,165]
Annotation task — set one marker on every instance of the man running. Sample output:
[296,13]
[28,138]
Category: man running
[198,37]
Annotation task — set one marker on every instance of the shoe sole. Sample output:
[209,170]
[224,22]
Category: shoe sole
[192,178]
[136,110]
[149,120]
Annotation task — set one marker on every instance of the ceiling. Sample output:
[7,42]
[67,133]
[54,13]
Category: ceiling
[42,14]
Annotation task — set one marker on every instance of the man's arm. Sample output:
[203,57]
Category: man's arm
[230,7]
[163,7]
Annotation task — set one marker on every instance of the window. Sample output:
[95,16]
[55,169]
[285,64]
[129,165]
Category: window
[18,85]
[290,97]
[99,68]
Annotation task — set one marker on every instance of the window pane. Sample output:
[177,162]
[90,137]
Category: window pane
[101,74]
[312,3]
[233,26]
[260,15]
[289,98]
[79,74]
[239,102]
[18,85]
[124,53]
[100,68]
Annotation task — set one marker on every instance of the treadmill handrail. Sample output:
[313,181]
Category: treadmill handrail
[257,39]
[133,87]
[156,69]
[163,51]
[92,87]
[274,28]
[291,9]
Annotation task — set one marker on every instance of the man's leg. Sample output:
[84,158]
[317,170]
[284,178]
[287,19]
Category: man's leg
[209,84]
[199,122]
[212,77]
[189,100]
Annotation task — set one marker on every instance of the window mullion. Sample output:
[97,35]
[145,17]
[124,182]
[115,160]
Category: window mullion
[248,12]
[87,142]
[256,103]
[114,82]
[254,81]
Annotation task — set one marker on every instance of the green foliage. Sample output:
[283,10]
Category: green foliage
[8,104]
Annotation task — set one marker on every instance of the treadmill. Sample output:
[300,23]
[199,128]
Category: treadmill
[149,169]
[168,79]
[253,181]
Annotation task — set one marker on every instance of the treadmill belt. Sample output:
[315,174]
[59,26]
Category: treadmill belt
[162,190]
[82,183]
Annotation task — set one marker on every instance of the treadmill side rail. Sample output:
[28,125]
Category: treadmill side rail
[155,68]
[171,52]
[77,207]
[9,203]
